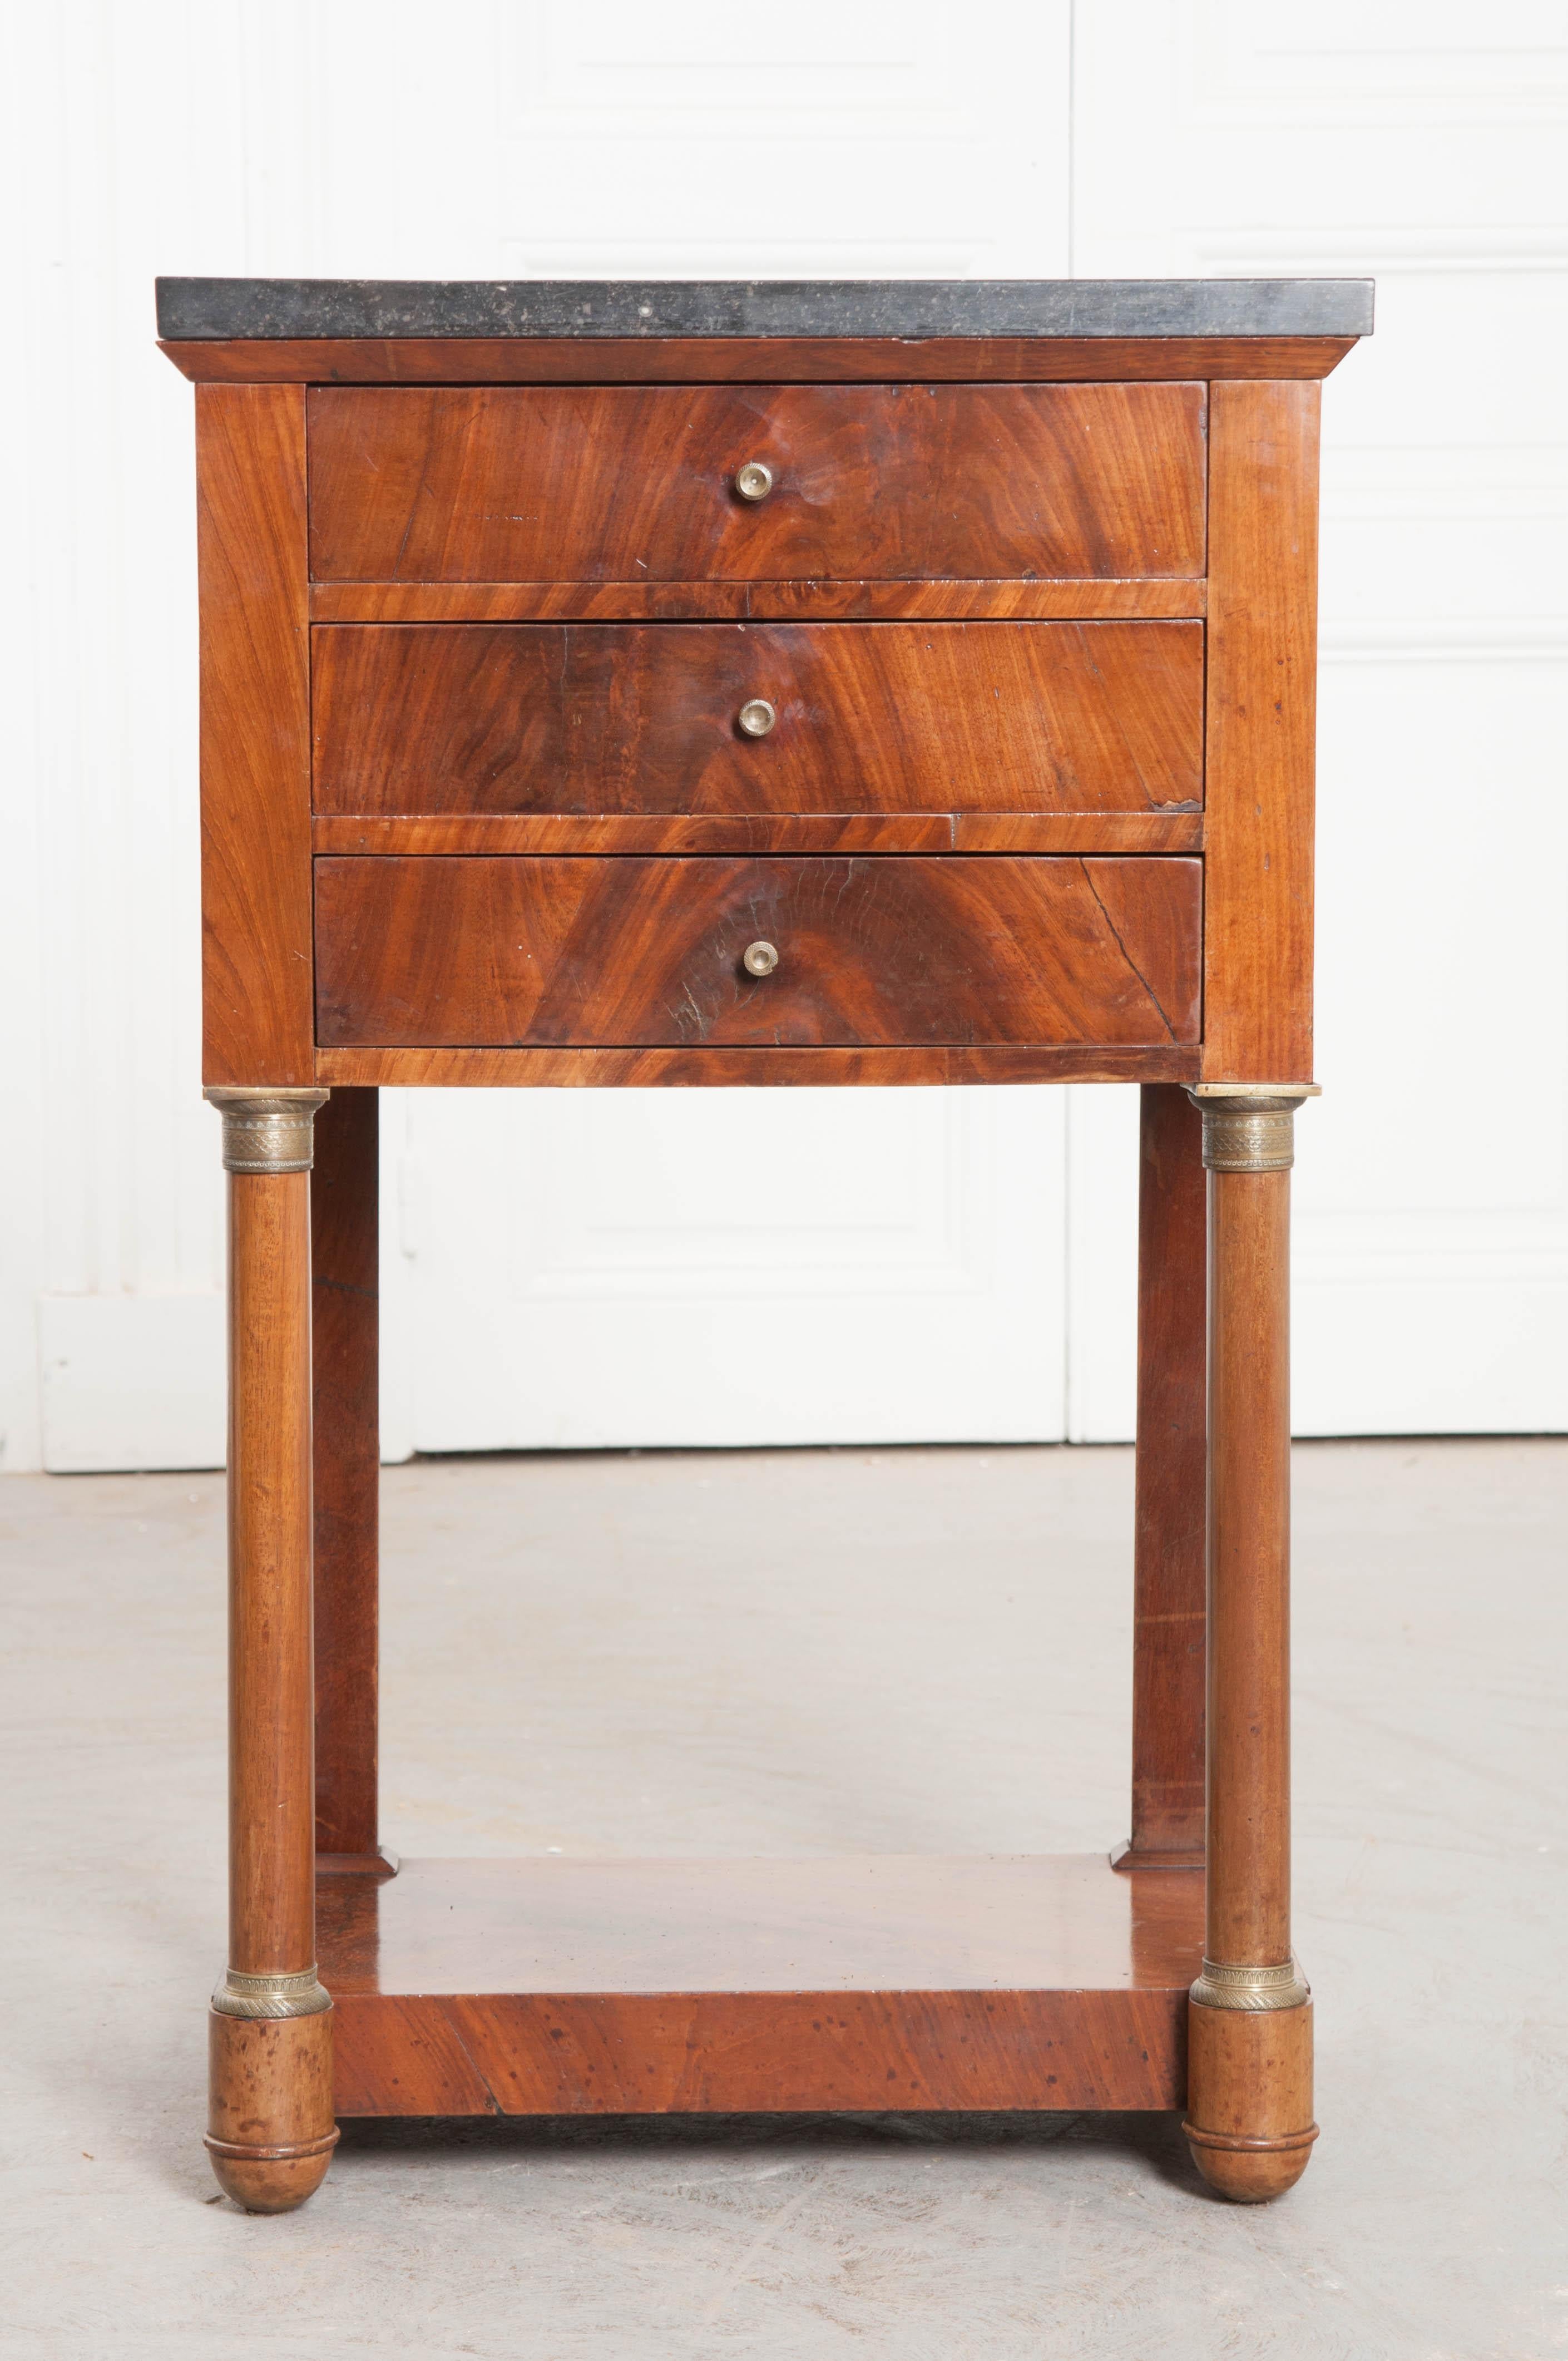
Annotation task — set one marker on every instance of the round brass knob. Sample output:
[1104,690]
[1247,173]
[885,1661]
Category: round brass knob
[759,959]
[755,481]
[756,716]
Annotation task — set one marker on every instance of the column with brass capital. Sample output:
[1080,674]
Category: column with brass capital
[271,2130]
[1249,2117]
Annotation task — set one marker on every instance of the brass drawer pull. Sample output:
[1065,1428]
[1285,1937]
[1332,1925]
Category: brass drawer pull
[756,716]
[755,481]
[759,959]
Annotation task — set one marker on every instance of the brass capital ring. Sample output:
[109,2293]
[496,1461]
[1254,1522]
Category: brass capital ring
[1253,1134]
[1255,1990]
[300,1994]
[268,1131]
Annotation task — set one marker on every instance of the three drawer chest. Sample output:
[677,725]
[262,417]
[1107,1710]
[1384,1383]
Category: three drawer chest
[748,685]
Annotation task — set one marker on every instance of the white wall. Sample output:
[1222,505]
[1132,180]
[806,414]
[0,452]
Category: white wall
[1422,141]
[1410,137]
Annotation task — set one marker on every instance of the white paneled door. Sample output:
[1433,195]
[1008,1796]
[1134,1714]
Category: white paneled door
[747,1267]
[1421,141]
[583,1268]
[577,1268]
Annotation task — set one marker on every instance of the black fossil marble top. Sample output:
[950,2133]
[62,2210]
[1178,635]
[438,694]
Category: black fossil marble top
[208,310]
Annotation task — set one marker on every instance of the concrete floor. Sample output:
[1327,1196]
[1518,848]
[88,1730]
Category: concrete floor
[802,1652]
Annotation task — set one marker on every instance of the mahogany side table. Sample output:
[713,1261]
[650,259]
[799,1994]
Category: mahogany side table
[713,684]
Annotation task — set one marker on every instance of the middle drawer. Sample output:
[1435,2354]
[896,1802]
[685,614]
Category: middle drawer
[743,718]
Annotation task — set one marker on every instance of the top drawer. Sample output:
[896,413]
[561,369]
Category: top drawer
[637,483]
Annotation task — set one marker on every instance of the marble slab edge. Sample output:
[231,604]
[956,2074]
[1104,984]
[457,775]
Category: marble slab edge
[201,311]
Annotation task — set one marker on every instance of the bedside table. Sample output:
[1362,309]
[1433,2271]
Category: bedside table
[692,685]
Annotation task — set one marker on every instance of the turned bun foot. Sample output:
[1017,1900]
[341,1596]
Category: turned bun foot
[272,2134]
[1250,2172]
[270,2184]
[1249,2098]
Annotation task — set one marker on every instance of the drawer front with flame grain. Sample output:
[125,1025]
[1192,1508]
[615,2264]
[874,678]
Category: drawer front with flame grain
[755,483]
[631,951]
[759,717]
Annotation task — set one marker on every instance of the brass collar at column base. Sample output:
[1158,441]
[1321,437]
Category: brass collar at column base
[268,1131]
[300,1994]
[1252,1989]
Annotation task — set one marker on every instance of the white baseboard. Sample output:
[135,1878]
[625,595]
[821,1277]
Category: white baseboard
[131,1381]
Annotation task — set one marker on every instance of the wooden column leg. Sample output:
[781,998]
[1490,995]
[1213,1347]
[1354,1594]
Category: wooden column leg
[344,1293]
[1250,2017]
[271,2131]
[1168,1552]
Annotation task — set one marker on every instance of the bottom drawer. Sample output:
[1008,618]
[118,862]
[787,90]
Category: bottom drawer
[619,951]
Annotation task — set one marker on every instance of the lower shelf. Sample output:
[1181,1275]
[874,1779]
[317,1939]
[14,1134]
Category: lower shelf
[650,1987]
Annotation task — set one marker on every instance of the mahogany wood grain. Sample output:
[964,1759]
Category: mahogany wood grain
[512,361]
[699,832]
[1250,2083]
[271,1807]
[534,602]
[748,1069]
[551,832]
[1249,1569]
[408,2055]
[1249,2109]
[1163,831]
[726,2052]
[381,1862]
[613,483]
[254,735]
[1168,1565]
[344,1293]
[1262,707]
[642,1986]
[590,1924]
[606,717]
[271,2131]
[634,952]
